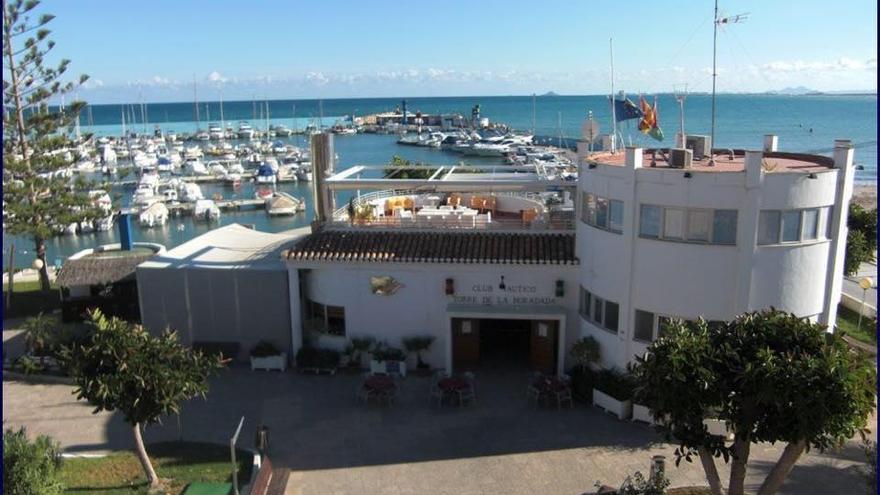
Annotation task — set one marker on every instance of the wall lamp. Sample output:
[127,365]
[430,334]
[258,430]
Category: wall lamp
[591,165]
[560,288]
[688,175]
[811,176]
[450,287]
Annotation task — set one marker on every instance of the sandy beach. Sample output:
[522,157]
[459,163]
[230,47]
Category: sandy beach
[865,195]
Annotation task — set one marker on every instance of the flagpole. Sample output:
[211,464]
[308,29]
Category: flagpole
[714,76]
[613,111]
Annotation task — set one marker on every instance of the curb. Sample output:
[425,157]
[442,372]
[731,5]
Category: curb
[38,379]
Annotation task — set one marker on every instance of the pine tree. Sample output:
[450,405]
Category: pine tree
[37,200]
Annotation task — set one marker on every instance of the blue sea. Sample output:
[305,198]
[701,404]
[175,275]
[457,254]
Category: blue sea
[803,123]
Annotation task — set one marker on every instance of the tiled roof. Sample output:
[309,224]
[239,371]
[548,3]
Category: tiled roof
[435,247]
[92,270]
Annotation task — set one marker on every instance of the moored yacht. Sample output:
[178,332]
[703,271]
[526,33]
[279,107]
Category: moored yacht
[245,131]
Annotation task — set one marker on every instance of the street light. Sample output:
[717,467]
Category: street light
[865,283]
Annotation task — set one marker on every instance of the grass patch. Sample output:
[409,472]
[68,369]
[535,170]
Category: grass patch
[182,463]
[29,300]
[847,322]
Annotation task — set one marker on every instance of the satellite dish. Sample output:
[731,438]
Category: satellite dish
[589,130]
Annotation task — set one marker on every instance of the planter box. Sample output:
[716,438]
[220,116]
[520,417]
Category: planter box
[642,413]
[388,367]
[621,409]
[718,427]
[278,362]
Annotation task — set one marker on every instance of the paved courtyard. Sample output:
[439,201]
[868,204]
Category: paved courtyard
[334,445]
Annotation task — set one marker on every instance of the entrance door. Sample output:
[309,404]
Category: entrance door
[542,346]
[465,341]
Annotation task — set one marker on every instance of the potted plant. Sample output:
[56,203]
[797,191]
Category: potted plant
[266,356]
[613,392]
[313,359]
[361,347]
[388,359]
[418,345]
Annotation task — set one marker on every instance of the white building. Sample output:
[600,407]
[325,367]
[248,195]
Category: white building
[651,241]
[512,266]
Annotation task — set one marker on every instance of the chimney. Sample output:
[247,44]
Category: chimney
[323,159]
[771,142]
[754,165]
[634,157]
[843,153]
[125,231]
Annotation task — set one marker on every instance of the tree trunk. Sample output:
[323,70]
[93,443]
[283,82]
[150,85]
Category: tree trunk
[783,466]
[741,448]
[712,477]
[143,457]
[44,270]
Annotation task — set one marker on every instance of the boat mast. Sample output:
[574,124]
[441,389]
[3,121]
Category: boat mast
[222,122]
[613,110]
[196,102]
[533,114]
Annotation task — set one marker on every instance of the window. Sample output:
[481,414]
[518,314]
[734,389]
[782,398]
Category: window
[611,315]
[602,212]
[600,312]
[811,224]
[698,225]
[325,319]
[673,223]
[598,306]
[768,227]
[724,227]
[649,225]
[644,327]
[615,216]
[791,226]
[777,226]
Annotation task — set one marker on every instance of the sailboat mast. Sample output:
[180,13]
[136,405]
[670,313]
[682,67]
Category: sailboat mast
[196,102]
[222,122]
[613,110]
[533,114]
[714,76]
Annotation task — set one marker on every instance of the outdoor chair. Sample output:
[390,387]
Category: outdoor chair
[363,393]
[564,396]
[469,394]
[532,391]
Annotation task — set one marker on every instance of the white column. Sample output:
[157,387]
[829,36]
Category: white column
[448,324]
[843,161]
[747,229]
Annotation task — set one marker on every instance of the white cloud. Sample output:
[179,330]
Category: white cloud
[843,63]
[216,77]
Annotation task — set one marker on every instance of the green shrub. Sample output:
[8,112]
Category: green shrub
[264,349]
[586,351]
[582,382]
[638,485]
[30,468]
[418,345]
[384,352]
[616,384]
[312,357]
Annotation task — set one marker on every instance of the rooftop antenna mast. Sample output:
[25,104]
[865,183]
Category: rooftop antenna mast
[719,21]
[680,97]
[613,111]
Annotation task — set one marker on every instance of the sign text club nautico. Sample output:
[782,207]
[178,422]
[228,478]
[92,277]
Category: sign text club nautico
[510,265]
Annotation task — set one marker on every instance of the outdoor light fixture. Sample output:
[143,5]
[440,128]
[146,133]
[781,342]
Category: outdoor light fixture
[687,175]
[811,176]
[592,165]
[450,287]
[560,288]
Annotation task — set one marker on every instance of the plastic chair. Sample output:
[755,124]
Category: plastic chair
[469,394]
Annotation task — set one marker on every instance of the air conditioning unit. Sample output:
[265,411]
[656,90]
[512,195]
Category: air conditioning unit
[700,145]
[680,158]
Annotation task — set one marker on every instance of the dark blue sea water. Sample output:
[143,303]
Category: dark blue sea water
[803,123]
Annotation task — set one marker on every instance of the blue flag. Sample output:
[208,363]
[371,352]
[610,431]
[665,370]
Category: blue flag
[626,110]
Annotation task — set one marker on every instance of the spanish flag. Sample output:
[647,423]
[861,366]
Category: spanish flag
[649,123]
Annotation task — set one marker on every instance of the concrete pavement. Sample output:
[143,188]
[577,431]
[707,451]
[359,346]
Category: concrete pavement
[334,445]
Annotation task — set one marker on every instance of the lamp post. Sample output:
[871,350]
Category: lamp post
[865,283]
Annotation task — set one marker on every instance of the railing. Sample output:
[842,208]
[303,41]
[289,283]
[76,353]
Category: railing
[554,221]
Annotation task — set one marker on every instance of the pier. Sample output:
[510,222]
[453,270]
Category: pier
[181,209]
[207,179]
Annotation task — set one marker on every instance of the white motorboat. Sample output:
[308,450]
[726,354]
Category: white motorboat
[194,166]
[304,172]
[265,174]
[245,131]
[155,214]
[190,192]
[203,136]
[170,195]
[281,130]
[215,131]
[206,210]
[281,203]
[105,224]
[217,169]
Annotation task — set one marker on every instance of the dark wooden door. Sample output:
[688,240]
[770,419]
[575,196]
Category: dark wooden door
[465,341]
[542,346]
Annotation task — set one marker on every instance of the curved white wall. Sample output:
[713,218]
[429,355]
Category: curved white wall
[714,281]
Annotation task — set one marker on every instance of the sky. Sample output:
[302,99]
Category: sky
[157,50]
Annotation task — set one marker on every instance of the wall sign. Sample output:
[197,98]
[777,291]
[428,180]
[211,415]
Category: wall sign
[504,293]
[384,286]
